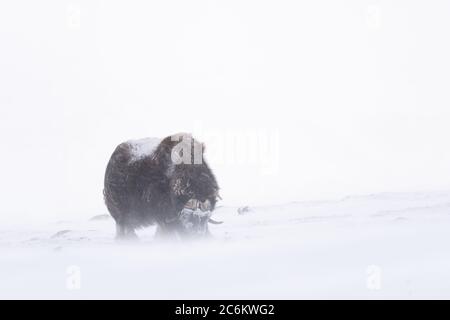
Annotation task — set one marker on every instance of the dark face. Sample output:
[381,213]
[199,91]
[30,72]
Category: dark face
[195,191]
[194,218]
[195,207]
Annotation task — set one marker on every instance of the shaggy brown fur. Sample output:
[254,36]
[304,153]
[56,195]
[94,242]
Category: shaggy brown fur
[154,188]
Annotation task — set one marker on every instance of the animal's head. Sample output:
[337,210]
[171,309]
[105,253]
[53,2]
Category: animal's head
[193,186]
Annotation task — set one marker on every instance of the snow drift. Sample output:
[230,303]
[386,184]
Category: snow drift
[376,246]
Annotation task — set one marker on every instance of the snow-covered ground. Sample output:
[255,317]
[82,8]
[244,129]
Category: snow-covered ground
[393,245]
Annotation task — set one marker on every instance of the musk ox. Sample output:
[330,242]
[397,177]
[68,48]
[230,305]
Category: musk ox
[164,182]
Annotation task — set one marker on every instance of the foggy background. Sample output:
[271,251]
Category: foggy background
[354,95]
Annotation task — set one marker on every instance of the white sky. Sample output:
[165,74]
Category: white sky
[357,93]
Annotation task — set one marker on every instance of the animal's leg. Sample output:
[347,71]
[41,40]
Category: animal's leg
[120,231]
[124,232]
[163,232]
[208,234]
[130,234]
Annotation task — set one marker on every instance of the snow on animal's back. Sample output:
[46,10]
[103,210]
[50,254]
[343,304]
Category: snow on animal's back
[142,148]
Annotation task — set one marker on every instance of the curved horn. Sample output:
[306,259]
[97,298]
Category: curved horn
[212,221]
[217,195]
